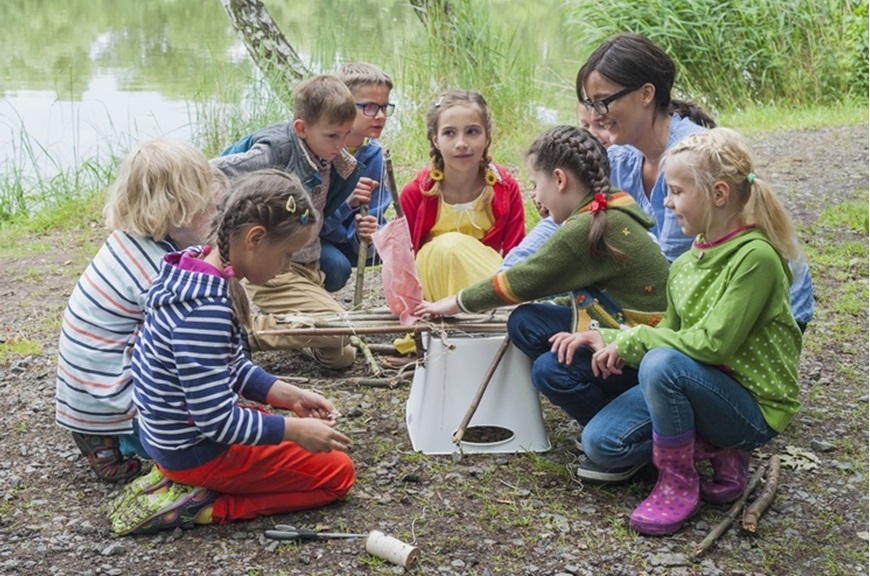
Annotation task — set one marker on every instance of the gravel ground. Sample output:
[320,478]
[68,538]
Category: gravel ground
[482,514]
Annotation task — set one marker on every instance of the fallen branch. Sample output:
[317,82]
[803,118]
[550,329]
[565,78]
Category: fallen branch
[493,366]
[376,382]
[293,378]
[361,345]
[732,514]
[756,509]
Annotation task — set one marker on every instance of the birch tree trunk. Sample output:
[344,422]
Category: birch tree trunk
[266,44]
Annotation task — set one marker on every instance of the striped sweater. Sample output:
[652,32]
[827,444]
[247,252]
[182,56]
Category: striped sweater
[189,371]
[94,390]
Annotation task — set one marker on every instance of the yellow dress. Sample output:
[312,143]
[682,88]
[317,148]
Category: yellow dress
[453,257]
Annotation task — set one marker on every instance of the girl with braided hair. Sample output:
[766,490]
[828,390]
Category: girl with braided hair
[464,212]
[602,253]
[225,461]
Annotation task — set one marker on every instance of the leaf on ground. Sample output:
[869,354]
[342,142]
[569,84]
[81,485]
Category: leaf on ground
[799,459]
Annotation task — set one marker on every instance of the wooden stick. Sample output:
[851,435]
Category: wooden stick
[386,329]
[460,432]
[732,514]
[361,345]
[361,262]
[756,509]
[391,182]
[376,382]
[293,378]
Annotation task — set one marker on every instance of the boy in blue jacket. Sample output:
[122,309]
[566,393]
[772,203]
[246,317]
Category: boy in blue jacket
[343,228]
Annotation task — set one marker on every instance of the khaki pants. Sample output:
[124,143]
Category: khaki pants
[297,291]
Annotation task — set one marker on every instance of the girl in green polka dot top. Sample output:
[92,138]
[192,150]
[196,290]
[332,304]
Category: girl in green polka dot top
[718,375]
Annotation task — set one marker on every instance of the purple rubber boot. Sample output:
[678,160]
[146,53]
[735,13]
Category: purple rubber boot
[730,472]
[675,496]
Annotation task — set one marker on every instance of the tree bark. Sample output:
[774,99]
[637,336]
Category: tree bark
[266,44]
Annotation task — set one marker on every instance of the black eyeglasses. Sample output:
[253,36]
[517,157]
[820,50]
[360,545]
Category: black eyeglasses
[602,105]
[372,108]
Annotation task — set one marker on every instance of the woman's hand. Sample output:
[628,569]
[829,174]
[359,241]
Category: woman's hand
[448,306]
[607,361]
[564,344]
[315,435]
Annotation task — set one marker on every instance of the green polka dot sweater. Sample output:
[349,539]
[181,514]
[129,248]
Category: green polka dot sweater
[728,306]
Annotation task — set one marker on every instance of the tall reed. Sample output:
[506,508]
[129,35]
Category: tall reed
[735,53]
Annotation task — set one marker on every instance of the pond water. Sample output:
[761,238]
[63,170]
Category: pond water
[80,79]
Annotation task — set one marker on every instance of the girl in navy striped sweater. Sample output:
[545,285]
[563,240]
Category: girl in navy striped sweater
[228,461]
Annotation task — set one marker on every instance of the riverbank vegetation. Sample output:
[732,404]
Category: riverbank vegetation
[758,66]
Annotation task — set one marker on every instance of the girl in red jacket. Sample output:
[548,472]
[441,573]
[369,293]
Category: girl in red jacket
[464,212]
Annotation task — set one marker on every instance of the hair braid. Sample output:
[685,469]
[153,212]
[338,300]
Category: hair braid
[577,151]
[260,198]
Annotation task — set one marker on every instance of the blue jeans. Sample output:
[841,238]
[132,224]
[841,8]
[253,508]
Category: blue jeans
[336,262]
[571,387]
[676,394]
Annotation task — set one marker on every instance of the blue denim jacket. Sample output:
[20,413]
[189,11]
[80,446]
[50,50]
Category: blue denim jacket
[626,173]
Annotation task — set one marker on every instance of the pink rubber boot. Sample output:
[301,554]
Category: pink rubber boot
[730,472]
[675,496]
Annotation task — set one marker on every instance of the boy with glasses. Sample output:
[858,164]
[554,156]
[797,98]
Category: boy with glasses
[340,237]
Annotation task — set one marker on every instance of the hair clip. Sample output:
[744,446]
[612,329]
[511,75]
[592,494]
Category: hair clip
[438,102]
[291,204]
[304,217]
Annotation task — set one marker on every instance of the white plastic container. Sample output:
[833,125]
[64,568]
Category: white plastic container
[443,390]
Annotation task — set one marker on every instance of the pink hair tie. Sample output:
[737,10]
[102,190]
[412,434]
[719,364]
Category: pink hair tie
[206,250]
[229,272]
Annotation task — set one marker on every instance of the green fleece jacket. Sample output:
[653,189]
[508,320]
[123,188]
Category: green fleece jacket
[728,306]
[610,291]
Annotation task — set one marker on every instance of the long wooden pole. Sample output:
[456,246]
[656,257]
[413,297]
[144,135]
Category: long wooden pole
[389,329]
[460,432]
[361,262]
[391,182]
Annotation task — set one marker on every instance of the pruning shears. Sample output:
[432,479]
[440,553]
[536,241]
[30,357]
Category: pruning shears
[284,532]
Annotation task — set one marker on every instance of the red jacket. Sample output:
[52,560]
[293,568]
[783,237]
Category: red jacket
[508,230]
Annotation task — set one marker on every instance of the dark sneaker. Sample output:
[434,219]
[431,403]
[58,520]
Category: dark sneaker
[104,456]
[589,471]
[175,507]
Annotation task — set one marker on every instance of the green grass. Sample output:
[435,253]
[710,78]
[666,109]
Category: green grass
[731,52]
[15,347]
[768,118]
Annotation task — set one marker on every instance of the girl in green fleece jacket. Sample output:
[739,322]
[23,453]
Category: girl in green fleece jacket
[718,374]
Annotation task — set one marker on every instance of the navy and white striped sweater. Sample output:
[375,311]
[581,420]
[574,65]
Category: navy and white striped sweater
[189,371]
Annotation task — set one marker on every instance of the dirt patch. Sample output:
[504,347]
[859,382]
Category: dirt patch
[478,514]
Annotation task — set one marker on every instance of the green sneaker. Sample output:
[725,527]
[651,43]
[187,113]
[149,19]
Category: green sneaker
[146,484]
[173,508]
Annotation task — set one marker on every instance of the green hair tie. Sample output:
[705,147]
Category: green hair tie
[750,178]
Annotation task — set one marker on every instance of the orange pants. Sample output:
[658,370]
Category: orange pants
[262,480]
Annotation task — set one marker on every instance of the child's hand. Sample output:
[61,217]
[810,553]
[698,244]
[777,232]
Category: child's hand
[366,226]
[566,343]
[309,404]
[542,210]
[607,361]
[315,435]
[362,193]
[445,307]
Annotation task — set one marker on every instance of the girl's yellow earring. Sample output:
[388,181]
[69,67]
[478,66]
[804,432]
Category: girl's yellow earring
[490,177]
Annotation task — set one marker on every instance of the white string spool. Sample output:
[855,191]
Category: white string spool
[391,549]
